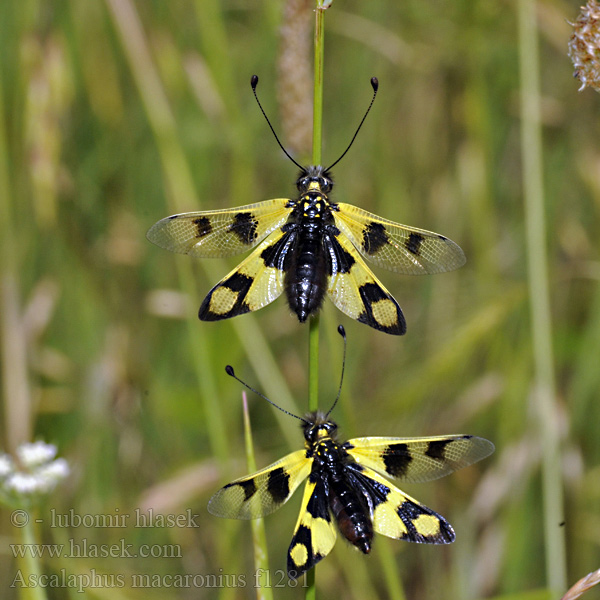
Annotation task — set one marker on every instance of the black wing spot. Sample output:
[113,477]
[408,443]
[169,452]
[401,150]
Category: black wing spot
[275,255]
[338,260]
[317,506]
[413,243]
[371,293]
[279,485]
[244,226]
[437,449]
[303,537]
[203,226]
[373,492]
[238,283]
[397,459]
[410,512]
[249,488]
[374,237]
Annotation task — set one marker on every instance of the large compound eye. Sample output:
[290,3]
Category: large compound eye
[325,184]
[309,434]
[303,183]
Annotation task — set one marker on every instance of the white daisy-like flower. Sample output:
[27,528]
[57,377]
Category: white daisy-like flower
[6,465]
[35,453]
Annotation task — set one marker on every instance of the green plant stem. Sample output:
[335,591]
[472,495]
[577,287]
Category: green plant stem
[313,364]
[29,565]
[313,342]
[318,85]
[539,297]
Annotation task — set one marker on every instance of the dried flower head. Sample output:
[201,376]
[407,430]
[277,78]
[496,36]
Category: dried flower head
[584,46]
[295,75]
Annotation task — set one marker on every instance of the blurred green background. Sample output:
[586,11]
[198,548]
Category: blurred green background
[115,114]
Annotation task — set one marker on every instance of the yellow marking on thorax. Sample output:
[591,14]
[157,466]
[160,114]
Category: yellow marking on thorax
[323,434]
[308,203]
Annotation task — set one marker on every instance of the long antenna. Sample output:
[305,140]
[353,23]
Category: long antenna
[229,370]
[254,83]
[342,332]
[375,86]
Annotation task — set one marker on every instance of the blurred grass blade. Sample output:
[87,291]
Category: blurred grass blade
[542,594]
[539,296]
[391,575]
[17,396]
[180,190]
[181,194]
[259,538]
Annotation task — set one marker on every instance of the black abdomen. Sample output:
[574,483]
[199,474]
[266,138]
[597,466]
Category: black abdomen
[353,517]
[306,273]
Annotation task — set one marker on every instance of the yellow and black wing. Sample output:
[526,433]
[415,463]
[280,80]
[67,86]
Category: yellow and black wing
[355,290]
[254,283]
[397,247]
[220,233]
[262,492]
[314,535]
[397,515]
[418,459]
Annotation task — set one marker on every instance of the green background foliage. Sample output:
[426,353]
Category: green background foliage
[115,114]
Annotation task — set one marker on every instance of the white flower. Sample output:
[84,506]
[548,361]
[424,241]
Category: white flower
[34,473]
[6,465]
[21,483]
[49,475]
[36,453]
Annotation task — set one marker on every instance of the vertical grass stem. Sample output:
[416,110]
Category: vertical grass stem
[539,297]
[259,536]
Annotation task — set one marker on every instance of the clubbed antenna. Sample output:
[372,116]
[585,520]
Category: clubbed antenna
[229,370]
[254,83]
[375,86]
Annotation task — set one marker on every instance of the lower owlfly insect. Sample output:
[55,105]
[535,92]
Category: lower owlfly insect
[347,486]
